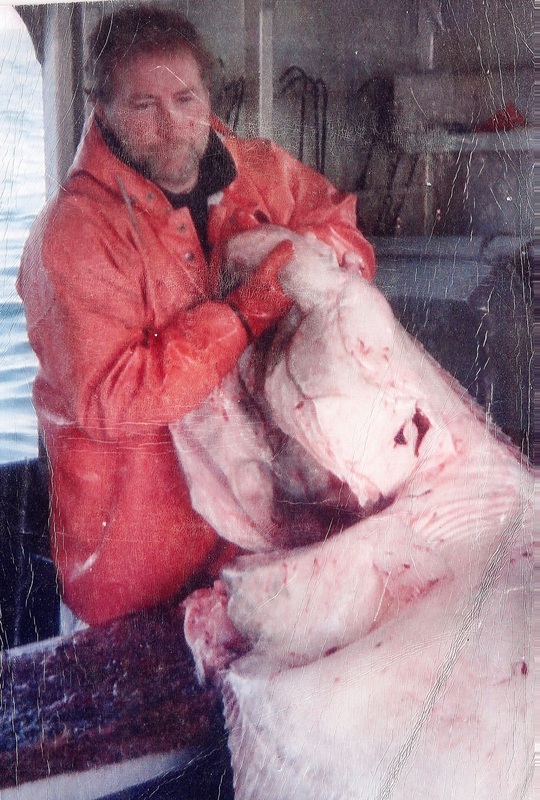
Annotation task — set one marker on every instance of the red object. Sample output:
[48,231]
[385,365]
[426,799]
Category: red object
[116,290]
[505,119]
[261,301]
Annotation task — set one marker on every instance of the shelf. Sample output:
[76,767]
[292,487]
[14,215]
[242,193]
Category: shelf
[439,140]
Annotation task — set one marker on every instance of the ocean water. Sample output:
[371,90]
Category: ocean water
[22,194]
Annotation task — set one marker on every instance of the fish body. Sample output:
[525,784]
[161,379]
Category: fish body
[391,658]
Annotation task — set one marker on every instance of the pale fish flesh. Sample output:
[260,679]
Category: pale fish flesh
[391,659]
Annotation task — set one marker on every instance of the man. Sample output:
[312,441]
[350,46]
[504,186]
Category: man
[121,284]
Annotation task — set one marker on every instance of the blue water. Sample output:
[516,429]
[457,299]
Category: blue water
[22,194]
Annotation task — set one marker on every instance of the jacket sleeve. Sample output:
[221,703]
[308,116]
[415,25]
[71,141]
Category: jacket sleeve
[304,200]
[101,352]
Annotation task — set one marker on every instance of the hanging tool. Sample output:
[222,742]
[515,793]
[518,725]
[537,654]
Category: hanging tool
[320,92]
[291,78]
[228,97]
[233,93]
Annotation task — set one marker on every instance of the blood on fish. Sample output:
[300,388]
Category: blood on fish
[399,438]
[524,668]
[362,347]
[422,425]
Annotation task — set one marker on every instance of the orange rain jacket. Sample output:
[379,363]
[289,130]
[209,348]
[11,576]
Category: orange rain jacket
[119,311]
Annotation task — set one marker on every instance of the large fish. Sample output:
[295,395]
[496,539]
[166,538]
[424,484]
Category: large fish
[383,652]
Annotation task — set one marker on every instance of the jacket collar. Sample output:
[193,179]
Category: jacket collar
[95,158]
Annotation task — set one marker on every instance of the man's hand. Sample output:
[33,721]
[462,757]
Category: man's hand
[265,265]
[260,301]
[246,252]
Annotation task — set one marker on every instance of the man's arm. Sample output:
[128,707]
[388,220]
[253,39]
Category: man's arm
[100,347]
[298,198]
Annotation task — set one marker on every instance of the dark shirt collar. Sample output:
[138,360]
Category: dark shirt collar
[216,172]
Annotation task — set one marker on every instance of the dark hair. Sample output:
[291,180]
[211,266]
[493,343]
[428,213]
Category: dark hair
[128,32]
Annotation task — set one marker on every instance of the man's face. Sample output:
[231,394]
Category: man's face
[160,112]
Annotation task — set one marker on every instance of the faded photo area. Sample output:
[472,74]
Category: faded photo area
[266,434]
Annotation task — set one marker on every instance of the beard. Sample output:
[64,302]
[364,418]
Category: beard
[173,166]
